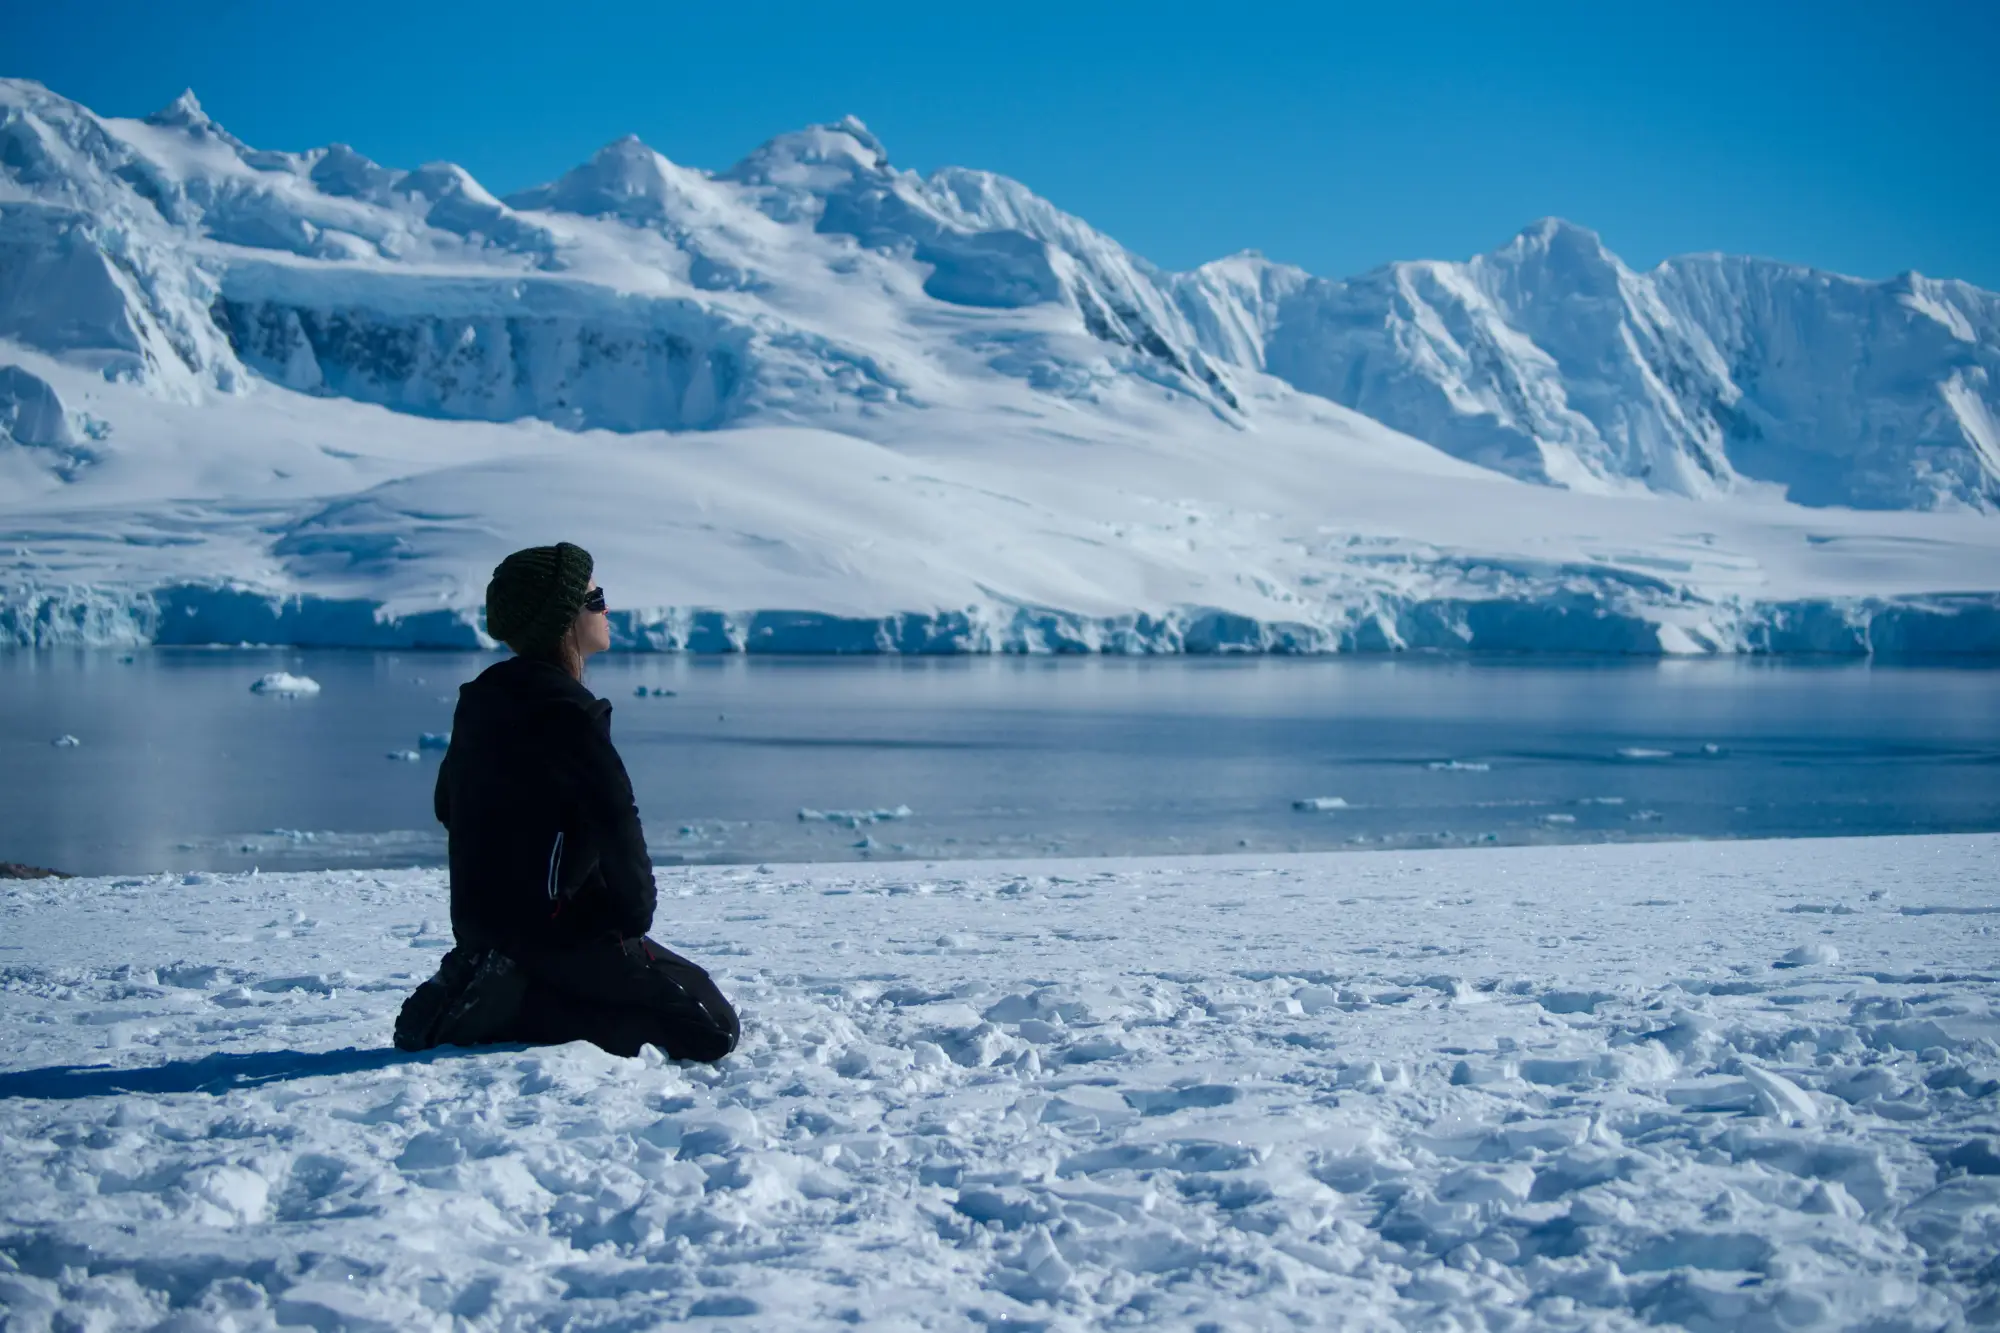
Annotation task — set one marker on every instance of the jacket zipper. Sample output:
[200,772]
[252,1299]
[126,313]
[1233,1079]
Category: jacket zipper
[555,873]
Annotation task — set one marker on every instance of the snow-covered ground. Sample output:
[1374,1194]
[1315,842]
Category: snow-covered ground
[1721,1086]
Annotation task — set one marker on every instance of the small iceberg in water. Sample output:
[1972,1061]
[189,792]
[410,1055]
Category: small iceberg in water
[853,818]
[434,740]
[1642,752]
[1457,766]
[1317,803]
[403,756]
[284,682]
[65,742]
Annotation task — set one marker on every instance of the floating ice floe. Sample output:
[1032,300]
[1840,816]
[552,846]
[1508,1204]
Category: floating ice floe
[1457,766]
[1643,752]
[1556,818]
[1317,803]
[853,818]
[403,756]
[284,682]
[65,742]
[434,740]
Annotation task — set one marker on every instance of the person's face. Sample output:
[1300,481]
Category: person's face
[593,629]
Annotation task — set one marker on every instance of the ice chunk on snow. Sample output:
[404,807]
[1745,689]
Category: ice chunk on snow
[228,1195]
[1779,1097]
[1575,1001]
[1320,803]
[1039,1272]
[284,682]
[1810,955]
[65,742]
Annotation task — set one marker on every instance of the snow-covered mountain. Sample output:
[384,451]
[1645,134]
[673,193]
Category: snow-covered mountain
[631,294]
[1549,359]
[308,375]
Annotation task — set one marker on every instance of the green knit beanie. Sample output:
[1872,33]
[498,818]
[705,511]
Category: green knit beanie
[535,594]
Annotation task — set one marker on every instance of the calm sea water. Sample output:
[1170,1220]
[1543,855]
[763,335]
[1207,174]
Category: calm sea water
[180,766]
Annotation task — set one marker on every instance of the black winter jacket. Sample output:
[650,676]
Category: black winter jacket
[545,844]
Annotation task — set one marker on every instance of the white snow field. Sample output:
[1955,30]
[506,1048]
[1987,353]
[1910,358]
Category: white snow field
[1742,1086]
[818,403]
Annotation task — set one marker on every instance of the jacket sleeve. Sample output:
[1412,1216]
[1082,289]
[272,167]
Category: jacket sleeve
[441,794]
[608,818]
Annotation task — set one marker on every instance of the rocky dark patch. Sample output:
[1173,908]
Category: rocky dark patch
[15,870]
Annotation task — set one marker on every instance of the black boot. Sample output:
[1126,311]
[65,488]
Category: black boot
[474,999]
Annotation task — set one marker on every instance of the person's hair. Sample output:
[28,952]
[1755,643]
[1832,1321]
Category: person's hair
[563,653]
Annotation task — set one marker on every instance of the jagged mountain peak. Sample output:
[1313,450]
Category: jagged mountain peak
[186,113]
[338,170]
[853,127]
[816,158]
[1548,258]
[1556,242]
[442,180]
[988,201]
[1248,264]
[627,155]
[1554,230]
[625,179]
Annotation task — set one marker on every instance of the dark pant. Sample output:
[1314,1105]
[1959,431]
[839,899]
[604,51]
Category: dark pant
[622,995]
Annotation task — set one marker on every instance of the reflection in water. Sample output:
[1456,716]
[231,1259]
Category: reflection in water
[180,766]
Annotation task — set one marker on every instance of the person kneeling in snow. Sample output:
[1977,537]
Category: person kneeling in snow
[551,889]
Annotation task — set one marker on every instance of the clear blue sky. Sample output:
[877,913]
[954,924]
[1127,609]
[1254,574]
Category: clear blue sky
[1861,136]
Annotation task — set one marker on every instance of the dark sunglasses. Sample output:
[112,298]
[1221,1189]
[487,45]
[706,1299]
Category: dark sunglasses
[595,601]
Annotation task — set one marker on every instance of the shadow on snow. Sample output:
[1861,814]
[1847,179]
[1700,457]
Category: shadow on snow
[218,1073]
